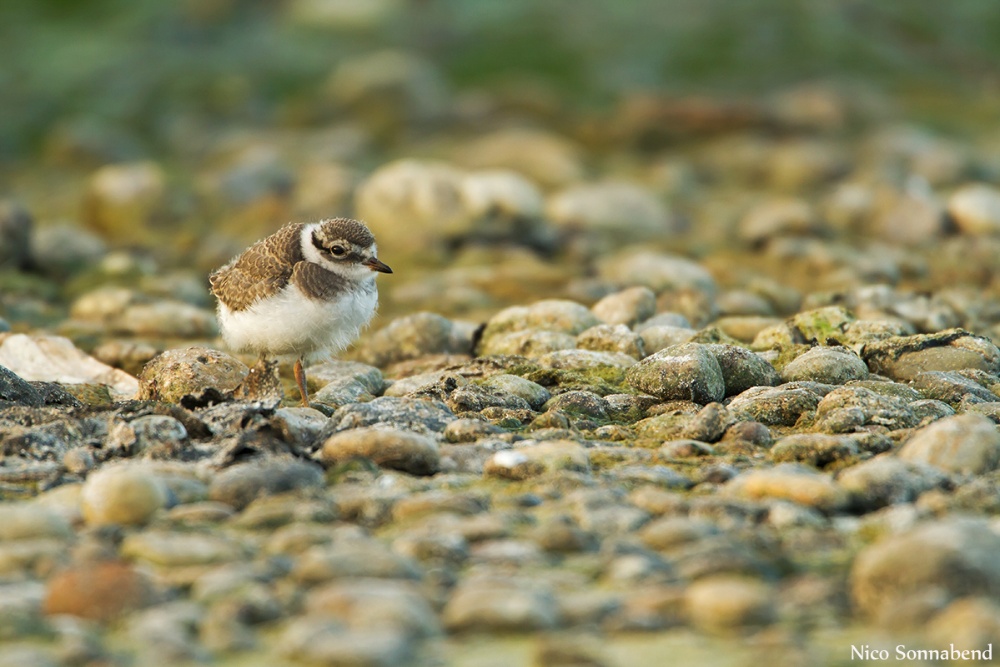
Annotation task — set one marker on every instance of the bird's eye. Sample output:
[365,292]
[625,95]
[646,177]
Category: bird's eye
[338,250]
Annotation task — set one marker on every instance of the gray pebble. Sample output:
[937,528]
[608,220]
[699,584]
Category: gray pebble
[962,443]
[688,371]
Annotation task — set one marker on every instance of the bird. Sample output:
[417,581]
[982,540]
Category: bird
[307,289]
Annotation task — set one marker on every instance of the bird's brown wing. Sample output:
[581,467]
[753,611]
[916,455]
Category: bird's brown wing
[261,271]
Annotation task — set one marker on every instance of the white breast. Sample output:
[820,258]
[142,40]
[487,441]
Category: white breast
[292,323]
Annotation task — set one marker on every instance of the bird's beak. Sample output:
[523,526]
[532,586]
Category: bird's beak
[374,264]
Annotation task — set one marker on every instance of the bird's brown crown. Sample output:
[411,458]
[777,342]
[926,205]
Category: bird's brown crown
[343,229]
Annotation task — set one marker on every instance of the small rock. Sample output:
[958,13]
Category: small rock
[57,359]
[742,369]
[15,389]
[240,484]
[180,549]
[373,604]
[533,393]
[386,447]
[579,404]
[126,495]
[629,306]
[778,217]
[409,414]
[953,557]
[774,406]
[28,521]
[903,357]
[15,236]
[611,338]
[167,319]
[832,365]
[350,559]
[968,444]
[319,640]
[499,606]
[789,482]
[728,604]
[816,449]
[659,272]
[534,459]
[683,372]
[411,337]
[178,373]
[545,158]
[66,249]
[99,591]
[975,209]
[886,480]
[123,199]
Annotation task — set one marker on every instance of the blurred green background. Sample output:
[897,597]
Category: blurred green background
[139,68]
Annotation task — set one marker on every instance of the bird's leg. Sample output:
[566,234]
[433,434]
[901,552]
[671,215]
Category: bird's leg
[300,379]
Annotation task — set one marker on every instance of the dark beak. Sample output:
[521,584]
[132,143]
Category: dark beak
[374,264]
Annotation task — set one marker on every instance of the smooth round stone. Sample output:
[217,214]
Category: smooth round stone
[729,604]
[386,447]
[66,249]
[778,217]
[498,606]
[533,393]
[972,623]
[815,449]
[832,365]
[742,369]
[660,337]
[179,549]
[975,209]
[629,306]
[743,303]
[503,194]
[968,444]
[168,319]
[611,338]
[886,480]
[374,603]
[904,357]
[544,157]
[684,372]
[533,460]
[320,640]
[178,373]
[238,485]
[444,381]
[412,206]
[123,198]
[657,271]
[16,225]
[558,315]
[834,412]
[612,213]
[954,557]
[789,482]
[527,343]
[352,558]
[410,337]
[29,521]
[125,495]
[409,414]
[99,591]
[579,404]
[774,406]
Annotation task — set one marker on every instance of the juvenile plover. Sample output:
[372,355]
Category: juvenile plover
[306,289]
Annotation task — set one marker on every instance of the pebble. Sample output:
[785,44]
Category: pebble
[411,337]
[375,603]
[975,209]
[534,394]
[792,482]
[534,459]
[123,199]
[386,447]
[16,228]
[544,157]
[240,484]
[126,495]
[496,605]
[683,372]
[175,374]
[100,591]
[778,217]
[967,444]
[727,604]
[887,480]
[902,358]
[175,549]
[612,338]
[742,369]
[774,406]
[889,585]
[630,306]
[657,271]
[56,359]
[29,521]
[351,559]
[324,641]
[832,365]
[408,414]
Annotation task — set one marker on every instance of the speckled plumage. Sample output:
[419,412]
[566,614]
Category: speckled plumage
[292,293]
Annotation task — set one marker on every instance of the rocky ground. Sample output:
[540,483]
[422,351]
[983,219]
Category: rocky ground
[685,381]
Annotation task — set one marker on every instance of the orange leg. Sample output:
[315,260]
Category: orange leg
[300,379]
